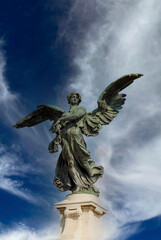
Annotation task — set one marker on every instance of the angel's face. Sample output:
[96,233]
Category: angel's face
[74,99]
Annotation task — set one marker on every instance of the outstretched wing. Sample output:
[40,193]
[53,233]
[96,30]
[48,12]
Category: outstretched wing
[109,104]
[41,114]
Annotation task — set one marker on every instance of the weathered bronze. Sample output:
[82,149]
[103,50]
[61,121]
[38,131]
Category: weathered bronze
[76,170]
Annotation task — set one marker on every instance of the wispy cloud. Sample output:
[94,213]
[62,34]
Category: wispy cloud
[125,38]
[12,109]
[11,166]
[21,232]
[5,93]
[10,162]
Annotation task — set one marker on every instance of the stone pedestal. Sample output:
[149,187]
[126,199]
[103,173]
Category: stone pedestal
[80,217]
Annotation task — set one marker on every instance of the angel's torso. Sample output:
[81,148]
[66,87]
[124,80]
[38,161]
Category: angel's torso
[73,123]
[73,110]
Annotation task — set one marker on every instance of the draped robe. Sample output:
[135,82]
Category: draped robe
[75,168]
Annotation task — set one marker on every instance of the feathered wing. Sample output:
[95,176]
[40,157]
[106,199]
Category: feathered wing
[109,104]
[41,114]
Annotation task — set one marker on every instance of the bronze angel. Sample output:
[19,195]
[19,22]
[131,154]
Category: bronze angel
[76,170]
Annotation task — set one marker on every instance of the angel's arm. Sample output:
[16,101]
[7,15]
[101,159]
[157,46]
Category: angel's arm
[74,116]
[81,111]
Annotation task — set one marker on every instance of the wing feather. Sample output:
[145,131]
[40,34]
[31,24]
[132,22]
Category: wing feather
[103,119]
[109,104]
[41,114]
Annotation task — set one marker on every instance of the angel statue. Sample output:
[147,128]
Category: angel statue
[76,170]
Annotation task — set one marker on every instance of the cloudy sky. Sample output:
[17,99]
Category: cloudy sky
[49,48]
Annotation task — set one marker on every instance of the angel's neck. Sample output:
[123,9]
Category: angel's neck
[73,106]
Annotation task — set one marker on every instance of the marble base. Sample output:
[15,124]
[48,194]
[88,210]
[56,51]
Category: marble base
[80,217]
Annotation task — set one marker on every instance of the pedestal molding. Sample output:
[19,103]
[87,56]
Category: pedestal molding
[80,217]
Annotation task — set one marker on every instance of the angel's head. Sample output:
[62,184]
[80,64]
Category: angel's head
[74,98]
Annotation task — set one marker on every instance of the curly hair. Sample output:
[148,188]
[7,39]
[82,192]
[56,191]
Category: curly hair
[70,95]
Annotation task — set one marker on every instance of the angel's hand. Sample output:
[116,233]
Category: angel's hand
[55,128]
[53,146]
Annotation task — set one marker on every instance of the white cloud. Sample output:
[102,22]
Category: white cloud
[5,94]
[124,40]
[33,140]
[11,166]
[12,109]
[24,233]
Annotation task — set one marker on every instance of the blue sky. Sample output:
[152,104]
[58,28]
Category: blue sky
[49,48]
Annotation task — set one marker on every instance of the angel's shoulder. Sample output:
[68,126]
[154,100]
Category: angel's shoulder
[82,108]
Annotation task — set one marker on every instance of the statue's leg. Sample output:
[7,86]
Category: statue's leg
[74,174]
[77,176]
